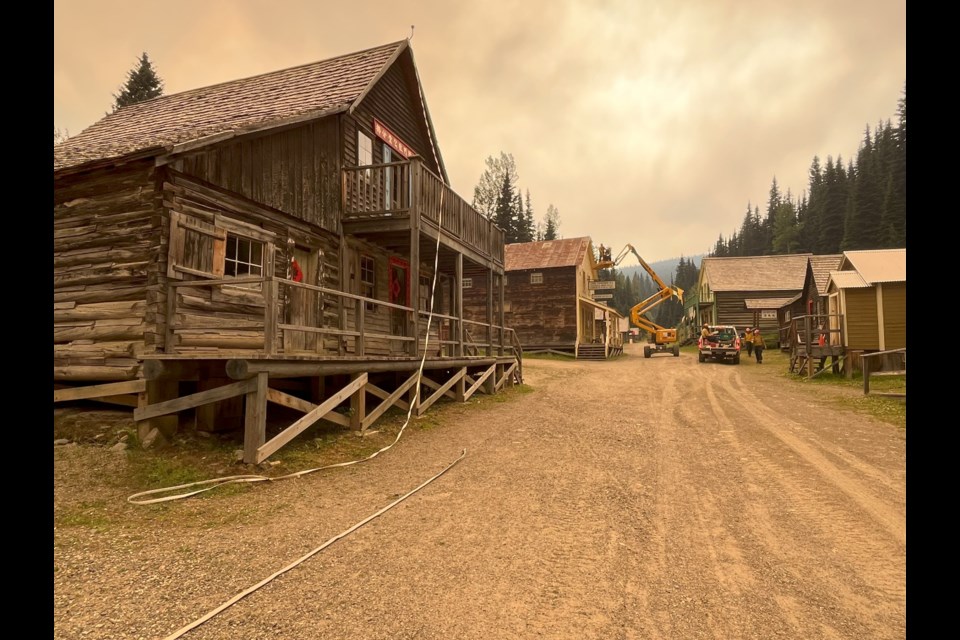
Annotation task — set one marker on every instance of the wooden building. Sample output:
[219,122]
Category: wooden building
[869,291]
[273,239]
[814,294]
[549,299]
[753,291]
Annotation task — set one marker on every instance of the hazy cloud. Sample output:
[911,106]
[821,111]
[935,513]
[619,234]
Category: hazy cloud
[642,121]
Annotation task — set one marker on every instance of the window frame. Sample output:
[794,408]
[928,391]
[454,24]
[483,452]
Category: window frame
[367,263]
[536,277]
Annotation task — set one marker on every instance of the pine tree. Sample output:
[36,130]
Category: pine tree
[487,192]
[834,207]
[529,225]
[142,84]
[503,213]
[551,226]
[862,224]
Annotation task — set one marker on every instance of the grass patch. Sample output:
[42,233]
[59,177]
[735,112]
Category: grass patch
[85,514]
[845,393]
[548,356]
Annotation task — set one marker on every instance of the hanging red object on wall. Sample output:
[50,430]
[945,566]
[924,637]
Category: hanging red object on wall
[296,273]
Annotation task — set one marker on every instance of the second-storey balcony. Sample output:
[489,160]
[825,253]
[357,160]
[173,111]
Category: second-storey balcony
[392,197]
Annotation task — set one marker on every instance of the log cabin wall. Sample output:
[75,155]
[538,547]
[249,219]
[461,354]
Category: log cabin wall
[106,259]
[195,204]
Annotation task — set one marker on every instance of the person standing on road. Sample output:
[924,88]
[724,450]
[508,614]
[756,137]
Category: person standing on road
[748,341]
[758,345]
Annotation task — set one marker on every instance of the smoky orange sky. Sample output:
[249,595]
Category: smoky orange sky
[649,122]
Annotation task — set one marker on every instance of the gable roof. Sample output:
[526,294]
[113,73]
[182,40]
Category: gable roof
[756,273]
[821,266]
[545,254]
[211,114]
[877,265]
[847,280]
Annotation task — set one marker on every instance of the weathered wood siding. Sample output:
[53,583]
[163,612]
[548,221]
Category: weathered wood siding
[296,171]
[392,100]
[542,314]
[894,315]
[105,262]
[860,306]
[732,308]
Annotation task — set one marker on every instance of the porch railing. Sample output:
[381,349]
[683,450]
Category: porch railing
[393,190]
[255,315]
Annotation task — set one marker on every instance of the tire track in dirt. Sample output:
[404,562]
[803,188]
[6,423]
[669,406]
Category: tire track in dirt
[824,519]
[780,426]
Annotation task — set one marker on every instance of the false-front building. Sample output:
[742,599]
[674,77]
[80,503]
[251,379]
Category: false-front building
[277,239]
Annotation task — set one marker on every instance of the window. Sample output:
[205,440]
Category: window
[368,280]
[468,283]
[244,257]
[364,149]
[387,186]
[536,278]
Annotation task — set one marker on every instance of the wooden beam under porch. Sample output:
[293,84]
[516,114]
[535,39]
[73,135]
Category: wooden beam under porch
[344,382]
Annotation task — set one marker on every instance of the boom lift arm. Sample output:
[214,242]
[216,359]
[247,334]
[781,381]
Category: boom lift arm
[662,335]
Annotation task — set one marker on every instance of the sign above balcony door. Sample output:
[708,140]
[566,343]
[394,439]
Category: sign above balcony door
[392,139]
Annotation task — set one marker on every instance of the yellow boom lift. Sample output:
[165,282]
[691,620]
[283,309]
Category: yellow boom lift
[661,340]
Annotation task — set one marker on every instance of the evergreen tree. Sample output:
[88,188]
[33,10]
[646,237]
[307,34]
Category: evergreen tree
[529,226]
[808,216]
[834,207]
[551,227]
[487,192]
[503,213]
[862,224]
[142,84]
[785,232]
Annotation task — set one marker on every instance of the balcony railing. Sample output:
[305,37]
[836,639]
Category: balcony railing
[397,189]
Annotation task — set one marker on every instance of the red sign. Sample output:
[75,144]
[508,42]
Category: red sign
[398,145]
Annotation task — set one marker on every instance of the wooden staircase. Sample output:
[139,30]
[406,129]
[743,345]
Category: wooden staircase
[591,352]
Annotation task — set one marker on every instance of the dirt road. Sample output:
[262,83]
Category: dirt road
[638,498]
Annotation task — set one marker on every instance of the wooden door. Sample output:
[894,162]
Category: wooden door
[304,305]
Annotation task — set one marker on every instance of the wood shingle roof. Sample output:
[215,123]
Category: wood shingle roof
[235,107]
[757,273]
[821,266]
[545,254]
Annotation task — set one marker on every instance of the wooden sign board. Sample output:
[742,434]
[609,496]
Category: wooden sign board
[603,296]
[602,284]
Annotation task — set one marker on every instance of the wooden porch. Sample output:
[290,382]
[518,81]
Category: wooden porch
[812,338]
[238,345]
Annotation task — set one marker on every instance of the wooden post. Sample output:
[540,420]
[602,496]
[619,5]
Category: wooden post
[460,387]
[489,312]
[358,403]
[270,316]
[359,340]
[221,415]
[158,391]
[500,281]
[417,177]
[255,422]
[458,303]
[168,335]
[344,286]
